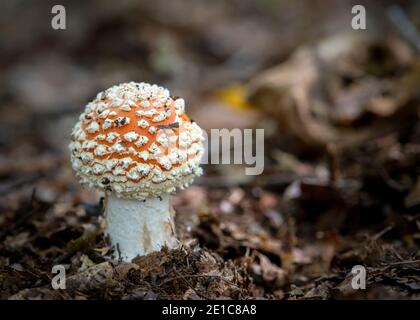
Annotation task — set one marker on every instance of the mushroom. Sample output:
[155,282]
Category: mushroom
[135,143]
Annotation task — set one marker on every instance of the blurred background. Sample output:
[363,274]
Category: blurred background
[340,111]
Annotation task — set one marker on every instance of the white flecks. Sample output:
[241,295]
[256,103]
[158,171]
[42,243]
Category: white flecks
[100,137]
[149,113]
[125,162]
[112,113]
[194,149]
[138,171]
[177,156]
[173,156]
[142,123]
[140,113]
[118,171]
[143,169]
[141,141]
[125,107]
[75,146]
[98,168]
[76,164]
[163,139]
[146,113]
[100,150]
[86,157]
[81,135]
[133,174]
[86,170]
[184,139]
[168,113]
[117,101]
[144,155]
[89,144]
[132,103]
[166,94]
[131,136]
[154,149]
[134,91]
[165,162]
[180,105]
[92,127]
[103,114]
[152,130]
[90,107]
[107,124]
[110,137]
[128,95]
[160,117]
[145,104]
[156,103]
[117,147]
[100,104]
[158,175]
[110,164]
[101,95]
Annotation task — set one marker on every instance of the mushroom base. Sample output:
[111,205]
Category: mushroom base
[139,227]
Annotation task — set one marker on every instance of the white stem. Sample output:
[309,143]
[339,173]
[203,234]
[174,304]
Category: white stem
[138,227]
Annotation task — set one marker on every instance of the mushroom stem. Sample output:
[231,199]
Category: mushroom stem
[139,227]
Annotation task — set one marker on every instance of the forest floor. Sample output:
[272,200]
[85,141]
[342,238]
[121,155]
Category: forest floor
[283,240]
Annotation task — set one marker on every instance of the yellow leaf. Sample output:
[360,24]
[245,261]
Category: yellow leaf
[234,96]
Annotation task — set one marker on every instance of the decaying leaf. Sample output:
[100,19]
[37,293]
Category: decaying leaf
[333,92]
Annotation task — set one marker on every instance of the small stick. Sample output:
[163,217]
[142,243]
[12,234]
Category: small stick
[332,163]
[399,18]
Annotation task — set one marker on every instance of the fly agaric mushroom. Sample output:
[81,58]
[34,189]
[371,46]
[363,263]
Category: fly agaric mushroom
[135,143]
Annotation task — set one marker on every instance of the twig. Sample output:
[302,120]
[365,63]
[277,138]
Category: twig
[381,233]
[332,163]
[402,263]
[404,25]
[189,285]
[119,253]
[389,181]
